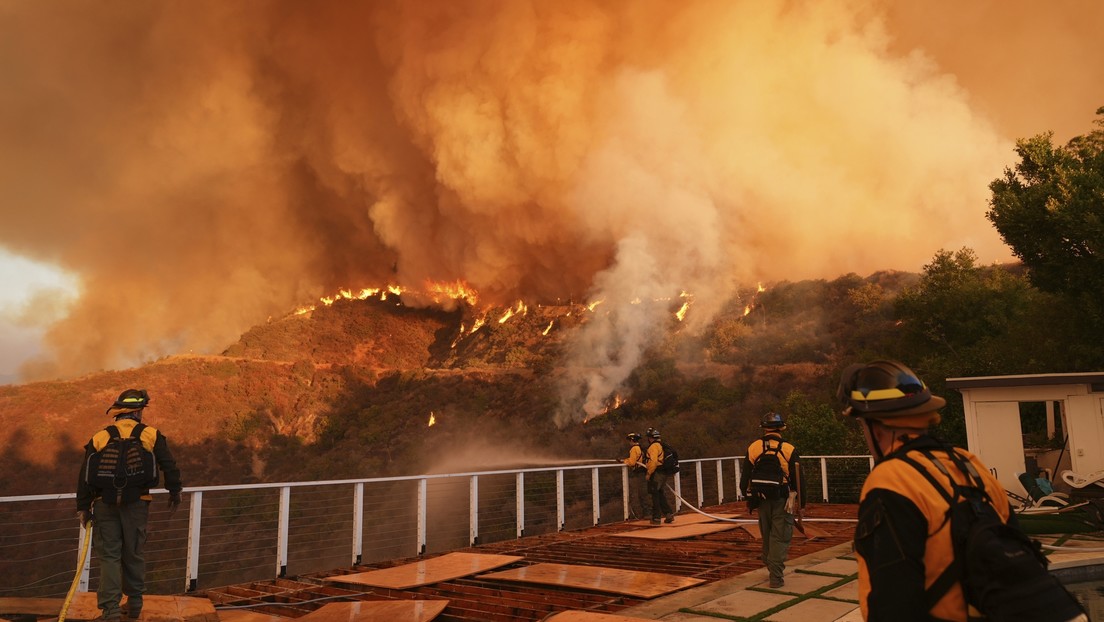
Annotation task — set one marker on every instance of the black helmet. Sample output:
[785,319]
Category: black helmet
[633,436]
[131,399]
[885,390]
[772,420]
[652,433]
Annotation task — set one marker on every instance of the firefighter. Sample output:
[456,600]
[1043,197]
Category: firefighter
[657,476]
[907,565]
[638,476]
[770,481]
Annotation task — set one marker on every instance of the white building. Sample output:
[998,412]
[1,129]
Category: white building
[1074,407]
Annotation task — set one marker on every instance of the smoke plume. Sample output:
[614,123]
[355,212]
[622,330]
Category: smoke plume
[203,166]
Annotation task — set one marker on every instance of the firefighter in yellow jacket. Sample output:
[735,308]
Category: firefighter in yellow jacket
[638,476]
[770,479]
[903,537]
[120,505]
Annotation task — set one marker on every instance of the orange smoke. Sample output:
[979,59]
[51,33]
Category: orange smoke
[201,166]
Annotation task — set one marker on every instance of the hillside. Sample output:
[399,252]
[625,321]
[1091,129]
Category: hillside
[349,389]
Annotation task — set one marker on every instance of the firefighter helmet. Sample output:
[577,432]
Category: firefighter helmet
[885,390]
[130,400]
[633,436]
[772,420]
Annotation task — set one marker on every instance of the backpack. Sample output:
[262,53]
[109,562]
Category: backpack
[670,462]
[767,477]
[123,468]
[1003,572]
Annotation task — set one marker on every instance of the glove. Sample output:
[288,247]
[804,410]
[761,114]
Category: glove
[85,517]
[790,502]
[753,502]
[174,500]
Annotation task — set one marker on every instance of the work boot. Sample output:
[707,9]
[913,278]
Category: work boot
[655,521]
[670,518]
[777,582]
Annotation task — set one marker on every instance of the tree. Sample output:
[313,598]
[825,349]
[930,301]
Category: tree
[1050,210]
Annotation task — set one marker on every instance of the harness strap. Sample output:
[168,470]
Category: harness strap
[953,572]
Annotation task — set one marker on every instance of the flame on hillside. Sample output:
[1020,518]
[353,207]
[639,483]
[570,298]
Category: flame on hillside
[615,402]
[520,309]
[432,419]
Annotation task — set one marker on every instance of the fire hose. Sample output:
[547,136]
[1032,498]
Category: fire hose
[80,568]
[753,520]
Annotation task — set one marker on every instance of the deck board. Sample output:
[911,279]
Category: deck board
[378,611]
[83,607]
[597,578]
[675,532]
[428,571]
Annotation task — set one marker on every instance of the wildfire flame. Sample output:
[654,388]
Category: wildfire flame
[456,291]
[432,418]
[545,331]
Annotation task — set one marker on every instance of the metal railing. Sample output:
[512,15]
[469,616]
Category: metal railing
[236,534]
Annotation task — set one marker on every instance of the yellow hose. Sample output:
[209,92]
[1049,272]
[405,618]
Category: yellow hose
[76,578]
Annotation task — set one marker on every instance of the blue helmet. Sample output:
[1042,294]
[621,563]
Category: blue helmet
[772,420]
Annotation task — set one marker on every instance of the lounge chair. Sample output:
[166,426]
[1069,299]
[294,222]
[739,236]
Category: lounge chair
[1077,481]
[1041,496]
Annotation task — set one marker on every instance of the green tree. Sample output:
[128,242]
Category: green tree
[1050,210]
[819,429]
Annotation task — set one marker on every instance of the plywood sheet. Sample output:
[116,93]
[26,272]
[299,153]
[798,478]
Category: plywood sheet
[83,607]
[425,572]
[597,578]
[811,532]
[685,519]
[590,616]
[378,611]
[248,615]
[674,532]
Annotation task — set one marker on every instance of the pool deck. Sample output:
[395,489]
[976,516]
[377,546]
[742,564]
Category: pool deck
[819,587]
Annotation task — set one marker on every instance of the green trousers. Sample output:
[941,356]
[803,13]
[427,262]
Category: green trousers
[776,525]
[118,537]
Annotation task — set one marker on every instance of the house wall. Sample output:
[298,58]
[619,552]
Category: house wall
[993,429]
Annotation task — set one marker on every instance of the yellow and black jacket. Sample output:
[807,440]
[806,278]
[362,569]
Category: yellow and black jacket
[903,538]
[635,461]
[152,439]
[787,456]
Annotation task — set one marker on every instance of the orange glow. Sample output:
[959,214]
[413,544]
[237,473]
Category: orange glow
[747,309]
[457,290]
[681,313]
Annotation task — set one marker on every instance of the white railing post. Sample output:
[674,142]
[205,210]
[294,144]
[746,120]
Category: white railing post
[678,492]
[195,511]
[594,495]
[824,478]
[358,522]
[423,497]
[519,486]
[560,519]
[739,492]
[720,483]
[625,491]
[473,511]
[282,531]
[698,481]
[82,585]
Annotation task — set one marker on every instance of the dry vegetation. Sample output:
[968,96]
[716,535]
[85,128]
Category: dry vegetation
[348,390]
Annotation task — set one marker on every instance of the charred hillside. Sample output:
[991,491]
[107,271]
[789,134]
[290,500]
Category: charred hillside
[350,389]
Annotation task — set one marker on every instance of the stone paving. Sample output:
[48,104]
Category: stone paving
[820,587]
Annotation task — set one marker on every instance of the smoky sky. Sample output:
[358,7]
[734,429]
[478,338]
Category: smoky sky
[202,166]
